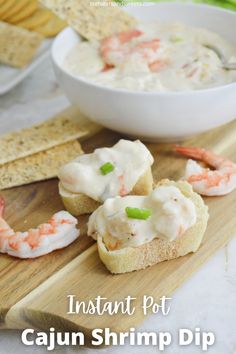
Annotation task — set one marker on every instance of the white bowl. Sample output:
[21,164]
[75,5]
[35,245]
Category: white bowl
[154,116]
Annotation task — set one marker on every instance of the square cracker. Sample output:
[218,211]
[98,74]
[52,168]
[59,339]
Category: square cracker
[62,128]
[17,45]
[90,19]
[38,167]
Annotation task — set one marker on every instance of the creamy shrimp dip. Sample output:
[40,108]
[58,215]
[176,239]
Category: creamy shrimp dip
[124,164]
[172,214]
[154,57]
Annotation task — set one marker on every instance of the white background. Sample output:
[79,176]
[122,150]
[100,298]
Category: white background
[207,300]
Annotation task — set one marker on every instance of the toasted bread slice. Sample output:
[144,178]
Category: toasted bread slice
[158,250]
[78,204]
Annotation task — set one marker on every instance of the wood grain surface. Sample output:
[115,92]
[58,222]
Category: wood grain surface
[33,293]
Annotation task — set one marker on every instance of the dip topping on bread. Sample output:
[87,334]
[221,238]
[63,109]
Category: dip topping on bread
[107,172]
[134,220]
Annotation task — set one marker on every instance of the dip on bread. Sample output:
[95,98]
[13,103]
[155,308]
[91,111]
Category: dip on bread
[107,172]
[134,220]
[154,57]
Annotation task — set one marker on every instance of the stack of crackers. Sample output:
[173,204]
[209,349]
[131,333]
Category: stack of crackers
[24,22]
[30,15]
[23,25]
[37,153]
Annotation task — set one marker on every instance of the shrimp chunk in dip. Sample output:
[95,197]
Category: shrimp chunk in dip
[132,221]
[154,57]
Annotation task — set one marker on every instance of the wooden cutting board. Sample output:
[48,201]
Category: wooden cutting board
[33,293]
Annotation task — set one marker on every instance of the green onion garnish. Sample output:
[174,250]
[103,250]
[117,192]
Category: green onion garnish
[176,39]
[107,168]
[136,213]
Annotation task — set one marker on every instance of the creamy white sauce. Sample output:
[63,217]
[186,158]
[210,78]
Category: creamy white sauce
[188,64]
[172,215]
[130,160]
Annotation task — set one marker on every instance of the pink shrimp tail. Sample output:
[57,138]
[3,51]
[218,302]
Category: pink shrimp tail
[113,42]
[153,44]
[2,206]
[122,37]
[107,67]
[157,66]
[126,36]
[208,157]
[193,152]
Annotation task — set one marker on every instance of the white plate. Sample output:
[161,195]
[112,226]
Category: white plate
[10,77]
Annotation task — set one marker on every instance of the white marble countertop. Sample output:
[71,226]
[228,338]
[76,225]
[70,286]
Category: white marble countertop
[207,300]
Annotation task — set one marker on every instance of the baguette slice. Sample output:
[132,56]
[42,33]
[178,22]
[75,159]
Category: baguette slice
[158,250]
[78,204]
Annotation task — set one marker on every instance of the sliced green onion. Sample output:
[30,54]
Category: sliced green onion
[176,39]
[107,168]
[136,213]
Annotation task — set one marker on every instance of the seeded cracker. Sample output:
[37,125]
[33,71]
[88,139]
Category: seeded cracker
[17,45]
[50,133]
[41,166]
[91,21]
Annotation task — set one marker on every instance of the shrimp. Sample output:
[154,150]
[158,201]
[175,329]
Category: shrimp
[208,182]
[58,232]
[116,49]
[112,48]
[157,65]
[123,190]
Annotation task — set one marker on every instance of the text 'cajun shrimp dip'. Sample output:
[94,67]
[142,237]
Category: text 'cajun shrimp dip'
[154,57]
[134,220]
